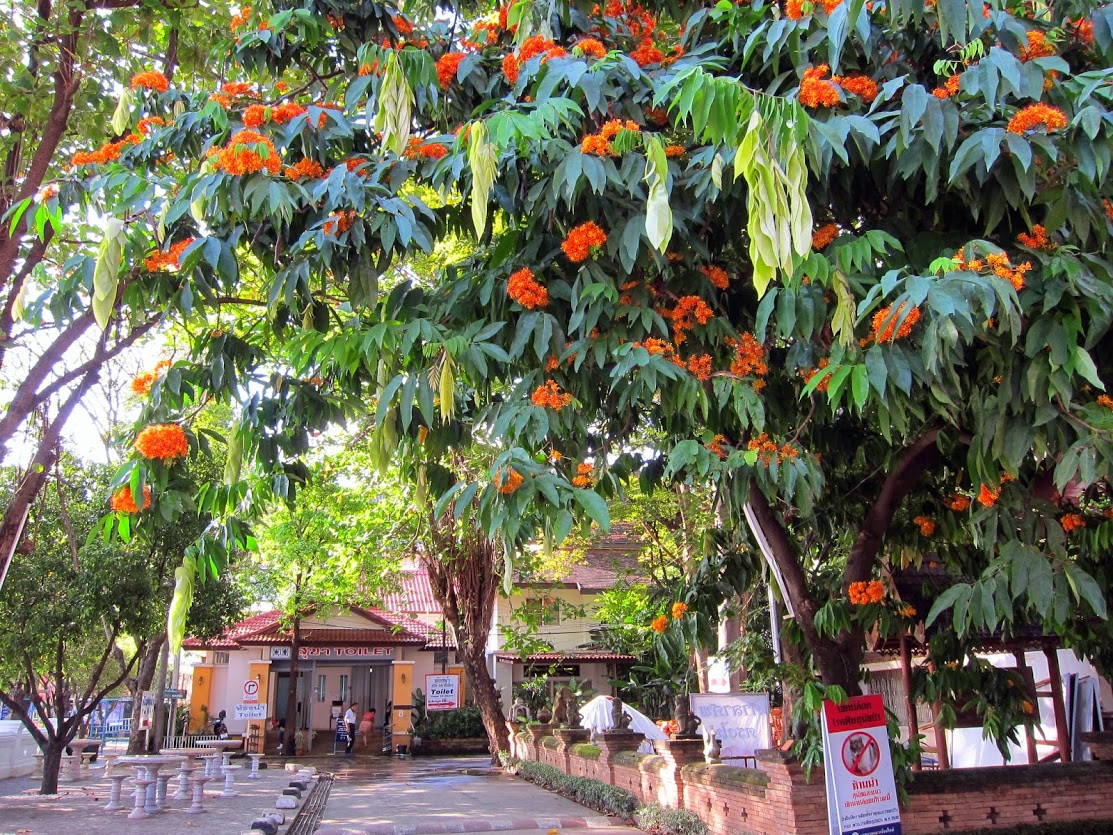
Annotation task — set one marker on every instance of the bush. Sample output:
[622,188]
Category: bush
[602,797]
[661,821]
[464,723]
[586,750]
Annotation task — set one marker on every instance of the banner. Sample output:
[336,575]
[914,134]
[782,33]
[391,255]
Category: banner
[740,721]
[861,789]
[442,692]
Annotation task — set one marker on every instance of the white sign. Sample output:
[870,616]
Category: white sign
[442,692]
[250,712]
[740,721]
[250,691]
[718,674]
[861,790]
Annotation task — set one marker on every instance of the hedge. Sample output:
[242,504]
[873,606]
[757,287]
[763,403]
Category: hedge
[661,821]
[602,797]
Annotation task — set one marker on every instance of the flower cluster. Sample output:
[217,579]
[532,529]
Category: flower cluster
[699,366]
[925,524]
[885,321]
[447,66]
[162,441]
[794,9]
[425,150]
[511,68]
[716,446]
[257,115]
[150,80]
[988,496]
[600,143]
[862,86]
[585,476]
[688,312]
[141,384]
[590,48]
[1108,207]
[998,263]
[338,223]
[583,242]
[824,235]
[145,124]
[124,502]
[1083,31]
[1037,240]
[304,169]
[949,88]
[549,395]
[539,45]
[507,480]
[815,91]
[1106,401]
[808,373]
[749,356]
[959,502]
[716,275]
[525,291]
[659,624]
[240,19]
[862,593]
[106,153]
[679,610]
[1038,47]
[1072,522]
[169,260]
[1052,118]
[769,451]
[646,53]
[242,154]
[673,151]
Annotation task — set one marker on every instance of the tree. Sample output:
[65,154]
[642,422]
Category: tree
[64,608]
[941,333]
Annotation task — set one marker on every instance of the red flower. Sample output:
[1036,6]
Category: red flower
[150,80]
[162,441]
[583,242]
[447,67]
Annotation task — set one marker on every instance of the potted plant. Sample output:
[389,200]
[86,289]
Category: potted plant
[303,740]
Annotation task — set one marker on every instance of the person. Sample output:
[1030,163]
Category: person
[350,723]
[366,725]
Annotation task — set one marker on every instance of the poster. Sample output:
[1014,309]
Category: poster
[442,692]
[861,789]
[740,721]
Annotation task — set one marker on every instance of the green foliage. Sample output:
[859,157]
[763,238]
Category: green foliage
[463,723]
[603,797]
[660,820]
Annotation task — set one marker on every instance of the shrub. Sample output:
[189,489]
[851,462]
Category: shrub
[586,750]
[661,821]
[602,797]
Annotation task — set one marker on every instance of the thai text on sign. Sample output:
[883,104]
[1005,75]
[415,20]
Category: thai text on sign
[442,692]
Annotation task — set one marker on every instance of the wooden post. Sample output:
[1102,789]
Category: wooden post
[1029,736]
[940,738]
[1062,735]
[909,705]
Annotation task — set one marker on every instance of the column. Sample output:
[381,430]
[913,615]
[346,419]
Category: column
[402,692]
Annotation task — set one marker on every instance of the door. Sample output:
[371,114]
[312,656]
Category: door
[282,695]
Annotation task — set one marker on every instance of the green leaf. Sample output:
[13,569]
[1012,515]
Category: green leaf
[595,507]
[106,273]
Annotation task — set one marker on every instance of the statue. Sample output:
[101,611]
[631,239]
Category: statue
[565,711]
[620,721]
[687,722]
[544,715]
[712,748]
[519,711]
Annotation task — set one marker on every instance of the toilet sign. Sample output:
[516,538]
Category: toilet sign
[250,691]
[442,692]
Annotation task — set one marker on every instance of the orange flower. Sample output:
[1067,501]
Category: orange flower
[717,276]
[659,624]
[700,366]
[150,80]
[1037,240]
[679,610]
[1108,207]
[959,502]
[862,593]
[590,48]
[884,321]
[447,66]
[507,480]
[716,446]
[242,155]
[824,235]
[593,143]
[1106,401]
[106,153]
[999,263]
[808,373]
[1052,118]
[1072,522]
[169,260]
[794,9]
[815,91]
[124,502]
[675,151]
[749,357]
[287,111]
[538,45]
[862,86]
[525,291]
[305,169]
[583,242]
[510,68]
[240,19]
[144,126]
[1083,31]
[338,223]
[950,88]
[769,451]
[647,54]
[585,476]
[925,524]
[1038,47]
[163,441]
[988,496]
[549,395]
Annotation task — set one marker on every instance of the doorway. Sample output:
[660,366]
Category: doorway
[282,695]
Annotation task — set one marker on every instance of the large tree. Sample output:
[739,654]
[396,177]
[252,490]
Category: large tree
[849,265]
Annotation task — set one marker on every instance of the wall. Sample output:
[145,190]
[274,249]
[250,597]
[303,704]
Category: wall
[776,798]
[567,635]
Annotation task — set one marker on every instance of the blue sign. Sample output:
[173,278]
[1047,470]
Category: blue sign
[341,731]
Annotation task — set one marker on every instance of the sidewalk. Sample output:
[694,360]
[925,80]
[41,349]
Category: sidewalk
[433,797]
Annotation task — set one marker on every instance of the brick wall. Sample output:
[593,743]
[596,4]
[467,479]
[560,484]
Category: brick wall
[777,799]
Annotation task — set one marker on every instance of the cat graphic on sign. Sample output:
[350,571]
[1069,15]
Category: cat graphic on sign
[860,754]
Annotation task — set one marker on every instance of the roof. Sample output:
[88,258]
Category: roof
[414,595]
[605,561]
[565,657]
[265,629]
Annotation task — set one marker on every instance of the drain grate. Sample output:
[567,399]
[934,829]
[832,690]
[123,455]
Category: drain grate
[311,811]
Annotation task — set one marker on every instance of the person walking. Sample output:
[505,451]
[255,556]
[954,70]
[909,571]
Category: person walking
[366,727]
[350,723]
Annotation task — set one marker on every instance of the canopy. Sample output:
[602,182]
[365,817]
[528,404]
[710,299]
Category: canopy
[596,717]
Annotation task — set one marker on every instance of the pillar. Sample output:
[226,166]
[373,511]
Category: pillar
[200,695]
[402,699]
[1029,735]
[1055,676]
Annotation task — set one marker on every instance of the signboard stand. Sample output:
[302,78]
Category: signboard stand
[858,768]
[340,740]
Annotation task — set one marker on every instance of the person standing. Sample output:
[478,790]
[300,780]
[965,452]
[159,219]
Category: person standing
[350,723]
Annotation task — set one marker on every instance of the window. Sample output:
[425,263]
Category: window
[343,688]
[321,680]
[540,611]
[220,658]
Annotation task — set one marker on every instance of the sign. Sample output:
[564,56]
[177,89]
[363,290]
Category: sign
[335,653]
[250,712]
[174,694]
[442,692]
[718,674]
[740,721]
[341,732]
[250,691]
[861,789]
[147,709]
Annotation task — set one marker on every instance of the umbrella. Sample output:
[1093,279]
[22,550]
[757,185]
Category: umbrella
[596,717]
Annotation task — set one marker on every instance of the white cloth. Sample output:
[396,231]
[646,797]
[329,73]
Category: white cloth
[596,717]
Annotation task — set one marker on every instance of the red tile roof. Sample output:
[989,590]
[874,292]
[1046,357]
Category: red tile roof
[414,595]
[606,561]
[265,629]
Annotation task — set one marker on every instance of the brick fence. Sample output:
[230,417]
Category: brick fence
[777,799]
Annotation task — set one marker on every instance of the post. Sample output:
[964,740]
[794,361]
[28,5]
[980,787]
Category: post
[1029,736]
[158,721]
[1062,735]
[909,705]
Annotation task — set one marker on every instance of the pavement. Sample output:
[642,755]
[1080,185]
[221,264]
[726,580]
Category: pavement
[369,796]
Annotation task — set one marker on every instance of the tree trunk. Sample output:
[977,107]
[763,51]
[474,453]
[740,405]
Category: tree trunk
[52,765]
[486,695]
[144,677]
[289,741]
